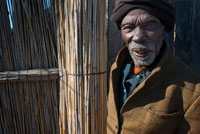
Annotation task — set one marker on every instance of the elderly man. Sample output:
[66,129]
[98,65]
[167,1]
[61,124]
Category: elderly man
[151,90]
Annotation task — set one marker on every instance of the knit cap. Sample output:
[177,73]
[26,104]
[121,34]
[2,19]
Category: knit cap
[162,9]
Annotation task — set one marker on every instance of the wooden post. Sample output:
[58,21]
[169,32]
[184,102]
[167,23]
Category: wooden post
[82,61]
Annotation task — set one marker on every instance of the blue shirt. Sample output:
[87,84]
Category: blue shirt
[129,81]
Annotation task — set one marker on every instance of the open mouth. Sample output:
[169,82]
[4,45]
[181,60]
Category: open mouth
[141,52]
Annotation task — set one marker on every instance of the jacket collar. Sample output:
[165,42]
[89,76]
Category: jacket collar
[121,56]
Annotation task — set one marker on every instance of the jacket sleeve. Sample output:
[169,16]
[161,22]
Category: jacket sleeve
[191,121]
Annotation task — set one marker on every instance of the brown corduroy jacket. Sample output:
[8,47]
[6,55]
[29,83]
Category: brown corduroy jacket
[166,102]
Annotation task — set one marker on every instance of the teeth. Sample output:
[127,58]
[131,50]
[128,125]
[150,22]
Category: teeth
[140,52]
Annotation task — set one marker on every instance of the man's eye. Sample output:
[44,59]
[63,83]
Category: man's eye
[150,26]
[127,28]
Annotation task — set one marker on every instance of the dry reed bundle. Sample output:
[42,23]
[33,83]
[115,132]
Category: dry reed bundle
[82,63]
[30,104]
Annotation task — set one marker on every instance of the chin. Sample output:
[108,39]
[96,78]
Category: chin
[146,61]
[143,62]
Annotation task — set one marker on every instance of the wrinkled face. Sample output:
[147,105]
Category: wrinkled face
[143,35]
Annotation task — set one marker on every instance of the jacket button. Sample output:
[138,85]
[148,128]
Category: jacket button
[116,126]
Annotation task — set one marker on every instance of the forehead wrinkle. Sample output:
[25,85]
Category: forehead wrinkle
[138,16]
[138,19]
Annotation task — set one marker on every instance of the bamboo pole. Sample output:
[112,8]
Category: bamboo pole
[82,57]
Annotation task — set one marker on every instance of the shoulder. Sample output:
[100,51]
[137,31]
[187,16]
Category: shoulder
[188,81]
[175,72]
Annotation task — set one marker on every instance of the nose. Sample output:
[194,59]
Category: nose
[139,35]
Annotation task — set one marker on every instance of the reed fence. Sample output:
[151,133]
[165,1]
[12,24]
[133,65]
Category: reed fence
[29,78]
[82,61]
[53,67]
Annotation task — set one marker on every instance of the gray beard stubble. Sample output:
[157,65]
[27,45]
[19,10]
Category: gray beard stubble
[138,61]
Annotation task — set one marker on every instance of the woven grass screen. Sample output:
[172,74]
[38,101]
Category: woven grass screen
[53,67]
[82,64]
[29,85]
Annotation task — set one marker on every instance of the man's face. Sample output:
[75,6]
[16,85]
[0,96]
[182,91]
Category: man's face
[143,35]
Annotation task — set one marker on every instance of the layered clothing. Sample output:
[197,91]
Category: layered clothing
[167,101]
